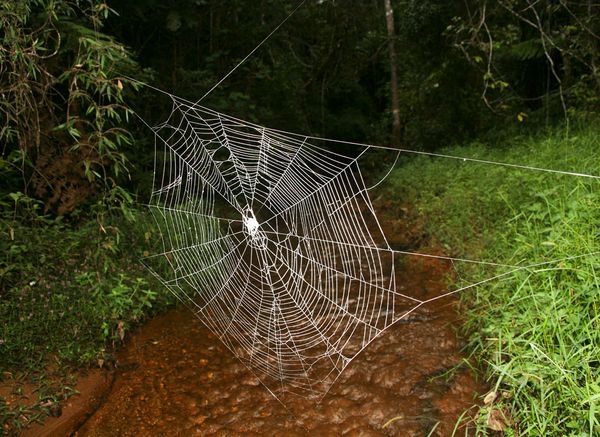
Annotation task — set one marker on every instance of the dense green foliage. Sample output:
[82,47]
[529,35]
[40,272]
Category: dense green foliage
[68,290]
[67,99]
[540,58]
[71,292]
[63,111]
[536,330]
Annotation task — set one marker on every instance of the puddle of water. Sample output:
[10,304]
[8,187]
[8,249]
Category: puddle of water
[176,378]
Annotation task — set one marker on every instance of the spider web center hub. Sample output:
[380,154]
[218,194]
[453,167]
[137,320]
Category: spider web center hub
[252,228]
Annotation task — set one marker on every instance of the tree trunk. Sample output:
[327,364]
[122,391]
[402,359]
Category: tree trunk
[593,46]
[396,127]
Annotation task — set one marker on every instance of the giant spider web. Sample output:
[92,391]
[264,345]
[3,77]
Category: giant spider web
[274,243]
[272,239]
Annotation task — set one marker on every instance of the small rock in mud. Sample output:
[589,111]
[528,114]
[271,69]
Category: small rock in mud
[55,410]
[364,431]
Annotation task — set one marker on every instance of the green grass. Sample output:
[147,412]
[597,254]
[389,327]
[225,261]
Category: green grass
[536,333]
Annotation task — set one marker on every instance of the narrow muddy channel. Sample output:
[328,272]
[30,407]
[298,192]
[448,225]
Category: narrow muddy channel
[175,378]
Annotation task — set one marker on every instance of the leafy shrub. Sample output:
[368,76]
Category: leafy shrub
[70,292]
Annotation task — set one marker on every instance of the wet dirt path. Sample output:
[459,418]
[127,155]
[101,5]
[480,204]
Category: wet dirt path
[175,378]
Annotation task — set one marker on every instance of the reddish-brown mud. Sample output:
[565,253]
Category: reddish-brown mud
[175,378]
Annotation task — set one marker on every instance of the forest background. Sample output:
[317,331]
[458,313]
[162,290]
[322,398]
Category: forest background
[76,164]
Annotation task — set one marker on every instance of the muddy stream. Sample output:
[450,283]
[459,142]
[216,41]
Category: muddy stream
[176,378]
